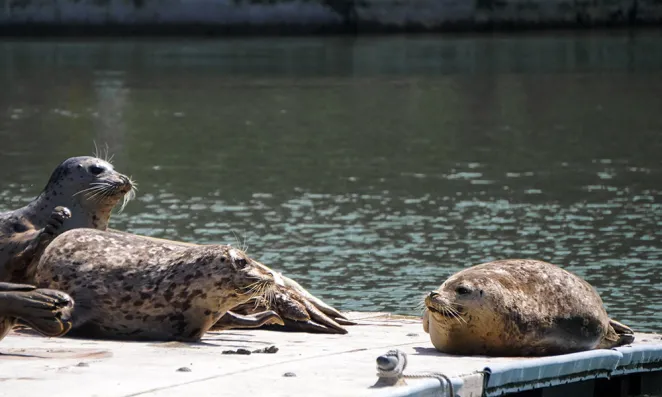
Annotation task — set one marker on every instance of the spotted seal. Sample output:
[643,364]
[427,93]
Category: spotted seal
[519,307]
[88,187]
[137,288]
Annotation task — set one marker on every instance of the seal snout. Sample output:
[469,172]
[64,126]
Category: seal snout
[434,302]
[124,184]
[439,304]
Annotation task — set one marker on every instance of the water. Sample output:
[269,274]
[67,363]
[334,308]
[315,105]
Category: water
[367,169]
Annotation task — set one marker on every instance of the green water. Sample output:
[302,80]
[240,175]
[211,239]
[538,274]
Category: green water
[367,169]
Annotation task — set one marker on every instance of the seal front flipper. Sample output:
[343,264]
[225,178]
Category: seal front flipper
[32,253]
[618,334]
[232,320]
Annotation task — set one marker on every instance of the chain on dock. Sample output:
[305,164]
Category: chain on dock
[391,366]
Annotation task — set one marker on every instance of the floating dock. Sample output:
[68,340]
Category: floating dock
[314,365]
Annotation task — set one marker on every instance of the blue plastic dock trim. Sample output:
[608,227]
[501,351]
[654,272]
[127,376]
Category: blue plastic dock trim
[520,375]
[639,358]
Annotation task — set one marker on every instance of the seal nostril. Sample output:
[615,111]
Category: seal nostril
[433,294]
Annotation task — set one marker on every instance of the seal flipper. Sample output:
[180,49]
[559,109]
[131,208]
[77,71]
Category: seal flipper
[38,245]
[625,333]
[232,320]
[45,310]
[618,334]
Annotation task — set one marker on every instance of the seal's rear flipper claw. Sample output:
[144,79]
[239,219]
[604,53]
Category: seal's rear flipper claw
[46,311]
[232,320]
[321,318]
[345,321]
[12,287]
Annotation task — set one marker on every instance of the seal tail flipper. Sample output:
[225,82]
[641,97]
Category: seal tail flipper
[45,310]
[232,320]
[618,334]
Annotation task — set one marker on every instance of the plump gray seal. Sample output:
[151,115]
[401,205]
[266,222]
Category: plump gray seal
[87,186]
[137,288]
[519,307]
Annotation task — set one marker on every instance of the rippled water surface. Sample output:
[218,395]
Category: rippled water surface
[369,170]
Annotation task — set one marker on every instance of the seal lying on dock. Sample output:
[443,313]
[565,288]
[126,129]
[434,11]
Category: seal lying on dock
[519,307]
[91,188]
[87,186]
[134,288]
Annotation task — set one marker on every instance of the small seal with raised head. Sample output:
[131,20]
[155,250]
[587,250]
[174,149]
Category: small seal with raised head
[519,307]
[87,186]
[138,288]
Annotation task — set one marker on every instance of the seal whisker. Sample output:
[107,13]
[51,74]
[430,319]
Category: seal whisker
[134,184]
[252,285]
[421,303]
[100,193]
[108,192]
[130,195]
[245,244]
[236,239]
[125,201]
[92,194]
[456,315]
[108,158]
[95,186]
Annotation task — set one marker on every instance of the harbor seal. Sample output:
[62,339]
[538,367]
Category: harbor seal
[45,310]
[90,187]
[138,288]
[519,307]
[87,186]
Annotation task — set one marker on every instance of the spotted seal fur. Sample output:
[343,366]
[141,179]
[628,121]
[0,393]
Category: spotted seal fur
[519,307]
[137,288]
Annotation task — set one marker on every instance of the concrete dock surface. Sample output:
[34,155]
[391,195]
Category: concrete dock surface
[304,364]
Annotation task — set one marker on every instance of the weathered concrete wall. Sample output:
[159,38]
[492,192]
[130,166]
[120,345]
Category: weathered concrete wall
[319,14]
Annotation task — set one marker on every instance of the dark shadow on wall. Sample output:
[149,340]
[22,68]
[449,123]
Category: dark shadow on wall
[347,11]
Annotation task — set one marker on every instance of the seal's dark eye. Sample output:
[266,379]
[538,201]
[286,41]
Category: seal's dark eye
[463,291]
[96,170]
[241,262]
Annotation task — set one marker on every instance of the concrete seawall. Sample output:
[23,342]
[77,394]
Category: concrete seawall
[261,16]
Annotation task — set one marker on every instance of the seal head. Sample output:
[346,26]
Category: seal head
[87,186]
[90,187]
